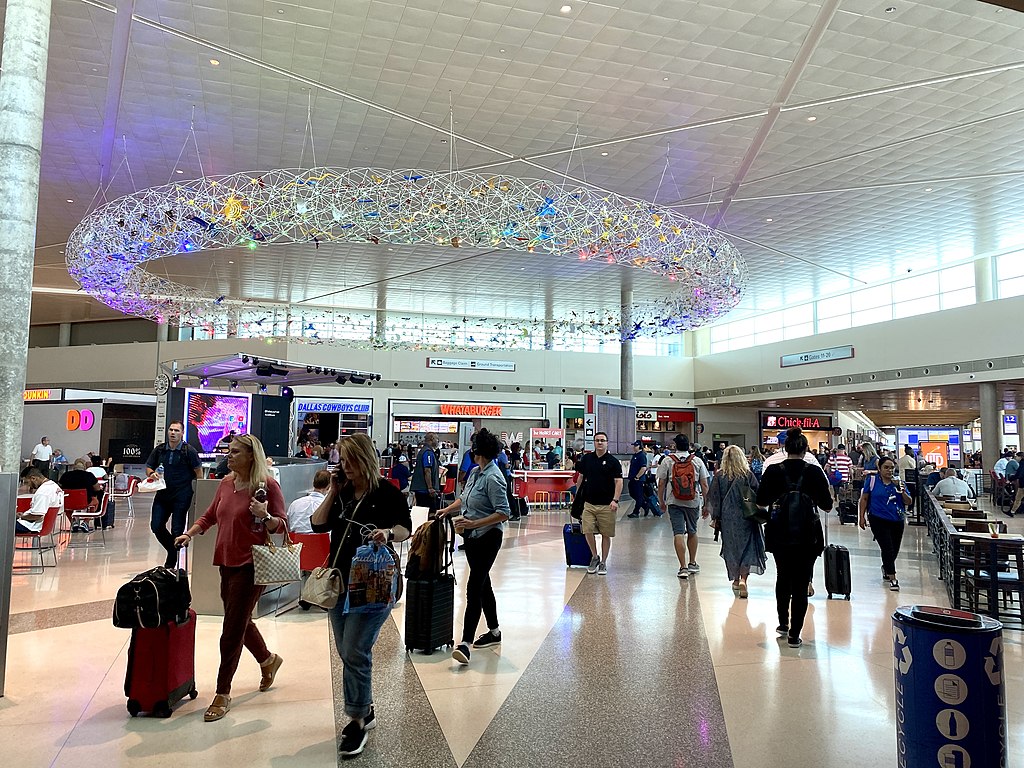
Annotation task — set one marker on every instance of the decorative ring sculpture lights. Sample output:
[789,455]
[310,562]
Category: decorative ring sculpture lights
[109,252]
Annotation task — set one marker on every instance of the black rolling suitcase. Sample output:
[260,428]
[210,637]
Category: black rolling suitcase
[837,571]
[847,513]
[430,587]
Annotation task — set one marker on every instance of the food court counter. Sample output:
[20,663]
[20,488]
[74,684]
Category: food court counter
[527,483]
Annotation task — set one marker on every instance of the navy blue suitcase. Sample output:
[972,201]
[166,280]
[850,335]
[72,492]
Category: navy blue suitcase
[577,551]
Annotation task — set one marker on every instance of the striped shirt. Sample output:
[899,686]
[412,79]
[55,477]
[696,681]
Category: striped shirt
[843,463]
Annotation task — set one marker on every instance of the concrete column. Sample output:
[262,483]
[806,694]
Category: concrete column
[626,344]
[1020,429]
[22,92]
[380,322]
[984,280]
[991,426]
[64,335]
[161,332]
[549,319]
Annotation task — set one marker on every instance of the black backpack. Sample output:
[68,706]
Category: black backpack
[794,522]
[152,599]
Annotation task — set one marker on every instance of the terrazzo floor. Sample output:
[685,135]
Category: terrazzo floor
[636,668]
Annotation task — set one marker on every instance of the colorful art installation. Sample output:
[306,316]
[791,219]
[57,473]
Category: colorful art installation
[110,253]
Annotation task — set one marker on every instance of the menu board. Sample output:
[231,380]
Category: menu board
[446,427]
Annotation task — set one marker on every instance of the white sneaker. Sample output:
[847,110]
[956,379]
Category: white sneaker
[683,573]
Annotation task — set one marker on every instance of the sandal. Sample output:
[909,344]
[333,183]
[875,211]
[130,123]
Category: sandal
[742,591]
[270,667]
[220,706]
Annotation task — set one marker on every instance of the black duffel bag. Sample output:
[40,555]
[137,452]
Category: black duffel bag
[152,599]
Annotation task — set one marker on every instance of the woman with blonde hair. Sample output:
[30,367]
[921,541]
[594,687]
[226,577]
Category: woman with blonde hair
[248,504]
[742,540]
[358,502]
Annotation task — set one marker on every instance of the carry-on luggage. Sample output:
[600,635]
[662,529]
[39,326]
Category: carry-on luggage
[837,571]
[152,599]
[430,587]
[577,551]
[429,613]
[161,667]
[847,512]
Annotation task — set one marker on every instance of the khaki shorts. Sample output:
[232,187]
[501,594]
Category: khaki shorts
[598,518]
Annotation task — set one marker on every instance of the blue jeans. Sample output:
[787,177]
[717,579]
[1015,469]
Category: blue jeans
[354,636]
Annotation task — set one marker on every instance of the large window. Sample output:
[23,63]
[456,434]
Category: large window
[1010,274]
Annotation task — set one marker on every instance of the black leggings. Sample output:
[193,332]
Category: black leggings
[889,535]
[794,570]
[480,554]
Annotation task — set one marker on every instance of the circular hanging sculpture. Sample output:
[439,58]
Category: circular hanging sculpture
[109,251]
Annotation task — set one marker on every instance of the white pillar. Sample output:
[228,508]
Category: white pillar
[64,337]
[626,344]
[984,280]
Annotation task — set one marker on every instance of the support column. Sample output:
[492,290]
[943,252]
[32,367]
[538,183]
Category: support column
[991,428]
[64,335]
[161,332]
[22,91]
[984,280]
[626,343]
[380,322]
[1020,428]
[549,319]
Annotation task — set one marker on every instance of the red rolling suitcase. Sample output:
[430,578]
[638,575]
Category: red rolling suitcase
[161,667]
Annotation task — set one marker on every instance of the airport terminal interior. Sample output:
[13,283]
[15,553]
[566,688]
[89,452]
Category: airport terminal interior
[312,219]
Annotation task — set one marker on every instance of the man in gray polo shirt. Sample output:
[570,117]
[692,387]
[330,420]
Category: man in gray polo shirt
[683,483]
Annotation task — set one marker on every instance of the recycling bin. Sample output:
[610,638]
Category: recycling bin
[950,691]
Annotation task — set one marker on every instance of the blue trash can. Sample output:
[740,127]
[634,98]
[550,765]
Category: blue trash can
[950,690]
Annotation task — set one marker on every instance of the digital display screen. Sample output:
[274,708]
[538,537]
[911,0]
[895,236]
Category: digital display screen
[211,417]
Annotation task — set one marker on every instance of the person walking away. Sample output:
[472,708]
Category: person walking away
[883,505]
[357,500]
[483,508]
[742,540]
[426,476]
[793,489]
[242,519]
[302,509]
[182,466]
[682,487]
[41,456]
[638,466]
[601,475]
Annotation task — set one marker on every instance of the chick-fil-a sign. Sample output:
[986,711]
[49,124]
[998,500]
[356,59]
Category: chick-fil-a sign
[82,420]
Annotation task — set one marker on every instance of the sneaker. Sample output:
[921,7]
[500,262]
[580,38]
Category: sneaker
[894,585]
[490,637]
[461,653]
[693,568]
[683,573]
[594,563]
[353,740]
[794,642]
[810,589]
[370,721]
[634,515]
[602,569]
[782,629]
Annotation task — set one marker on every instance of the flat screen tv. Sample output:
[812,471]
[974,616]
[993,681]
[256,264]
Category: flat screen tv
[211,417]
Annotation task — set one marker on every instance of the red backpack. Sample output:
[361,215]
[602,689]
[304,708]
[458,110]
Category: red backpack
[684,478]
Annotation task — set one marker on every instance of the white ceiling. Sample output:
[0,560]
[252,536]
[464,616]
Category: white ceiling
[646,81]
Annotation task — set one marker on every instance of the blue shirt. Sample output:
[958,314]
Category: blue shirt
[884,501]
[638,462]
[484,495]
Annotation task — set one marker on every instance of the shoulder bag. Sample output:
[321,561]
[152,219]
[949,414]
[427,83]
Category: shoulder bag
[323,587]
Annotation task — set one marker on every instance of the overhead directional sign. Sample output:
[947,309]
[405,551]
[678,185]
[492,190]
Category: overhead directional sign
[817,356]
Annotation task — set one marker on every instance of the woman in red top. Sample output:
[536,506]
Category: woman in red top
[241,521]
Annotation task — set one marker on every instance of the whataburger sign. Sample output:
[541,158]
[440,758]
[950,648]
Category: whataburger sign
[451,409]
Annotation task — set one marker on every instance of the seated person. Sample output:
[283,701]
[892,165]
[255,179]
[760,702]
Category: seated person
[97,468]
[953,486]
[45,494]
[78,477]
[300,510]
[400,471]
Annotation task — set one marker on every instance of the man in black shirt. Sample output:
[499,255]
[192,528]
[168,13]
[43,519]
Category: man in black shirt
[181,465]
[601,488]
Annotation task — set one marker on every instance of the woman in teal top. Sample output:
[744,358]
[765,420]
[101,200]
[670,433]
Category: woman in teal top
[484,509]
[883,505]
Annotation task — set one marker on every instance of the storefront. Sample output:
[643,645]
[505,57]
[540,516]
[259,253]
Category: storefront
[323,420]
[571,420]
[817,427]
[410,420]
[659,425]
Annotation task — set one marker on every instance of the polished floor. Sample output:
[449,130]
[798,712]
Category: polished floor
[636,668]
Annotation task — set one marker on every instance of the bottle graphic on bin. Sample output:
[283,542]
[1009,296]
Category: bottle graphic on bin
[948,656]
[261,496]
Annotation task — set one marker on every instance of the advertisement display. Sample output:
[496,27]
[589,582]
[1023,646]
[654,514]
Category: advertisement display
[914,436]
[936,453]
[212,416]
[324,420]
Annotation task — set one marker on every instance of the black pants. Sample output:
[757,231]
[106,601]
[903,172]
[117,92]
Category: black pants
[171,504]
[794,569]
[480,554]
[889,535]
[428,500]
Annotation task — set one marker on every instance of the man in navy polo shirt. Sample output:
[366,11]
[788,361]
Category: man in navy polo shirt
[181,465]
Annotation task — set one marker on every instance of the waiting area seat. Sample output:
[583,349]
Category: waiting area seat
[1004,561]
[124,487]
[37,545]
[84,516]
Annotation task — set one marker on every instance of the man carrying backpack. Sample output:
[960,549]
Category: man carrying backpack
[683,484]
